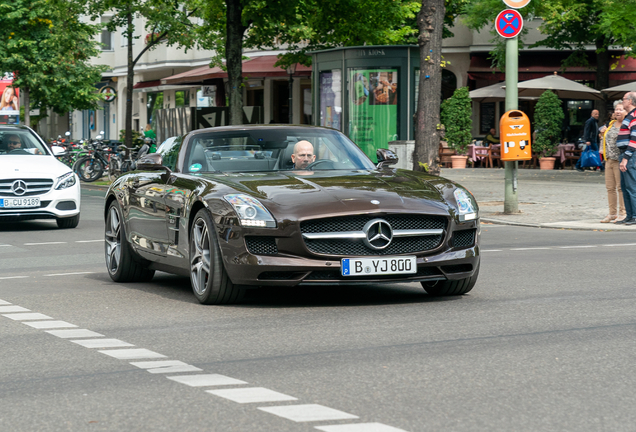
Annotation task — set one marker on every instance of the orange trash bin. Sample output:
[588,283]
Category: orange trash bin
[515,134]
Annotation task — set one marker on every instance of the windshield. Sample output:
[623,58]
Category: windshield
[20,142]
[274,149]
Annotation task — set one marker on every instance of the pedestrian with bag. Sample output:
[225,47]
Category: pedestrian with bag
[612,171]
[590,137]
[626,143]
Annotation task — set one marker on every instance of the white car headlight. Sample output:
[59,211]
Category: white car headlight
[251,212]
[65,181]
[465,205]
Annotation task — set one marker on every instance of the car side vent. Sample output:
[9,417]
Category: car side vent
[463,239]
[261,245]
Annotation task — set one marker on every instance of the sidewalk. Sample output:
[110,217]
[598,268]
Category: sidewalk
[565,199]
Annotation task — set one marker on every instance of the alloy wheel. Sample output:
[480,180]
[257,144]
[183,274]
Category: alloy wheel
[113,240]
[200,256]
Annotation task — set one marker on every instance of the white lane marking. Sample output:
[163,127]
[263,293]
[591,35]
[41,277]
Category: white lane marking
[89,241]
[74,333]
[102,343]
[49,324]
[27,316]
[6,309]
[493,250]
[531,248]
[621,244]
[14,277]
[132,354]
[44,243]
[577,247]
[166,366]
[308,412]
[4,302]
[360,427]
[204,380]
[251,395]
[69,274]
[6,245]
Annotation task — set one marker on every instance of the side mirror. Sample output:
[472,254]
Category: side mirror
[151,162]
[386,157]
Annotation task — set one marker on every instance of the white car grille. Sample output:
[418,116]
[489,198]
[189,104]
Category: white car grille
[31,187]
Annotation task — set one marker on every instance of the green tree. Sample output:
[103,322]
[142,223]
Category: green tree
[47,48]
[165,21]
[548,119]
[456,117]
[229,26]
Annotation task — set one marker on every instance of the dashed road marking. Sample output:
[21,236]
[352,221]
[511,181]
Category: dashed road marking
[166,366]
[360,427]
[74,333]
[4,302]
[89,241]
[102,343]
[205,380]
[132,354]
[49,324]
[251,395]
[44,243]
[27,316]
[493,250]
[7,309]
[308,413]
[68,274]
[577,247]
[14,277]
[7,245]
[530,248]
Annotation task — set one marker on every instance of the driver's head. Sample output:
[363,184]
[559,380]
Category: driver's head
[13,142]
[303,154]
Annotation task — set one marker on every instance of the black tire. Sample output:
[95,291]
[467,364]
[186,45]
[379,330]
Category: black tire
[120,262]
[451,287]
[88,169]
[210,282]
[69,222]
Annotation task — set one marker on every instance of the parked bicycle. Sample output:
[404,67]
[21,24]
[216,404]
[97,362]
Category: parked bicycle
[92,166]
[125,161]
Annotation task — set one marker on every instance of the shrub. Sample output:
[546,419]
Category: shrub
[457,119]
[548,118]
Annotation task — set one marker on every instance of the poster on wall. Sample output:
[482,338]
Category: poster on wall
[373,113]
[331,99]
[10,102]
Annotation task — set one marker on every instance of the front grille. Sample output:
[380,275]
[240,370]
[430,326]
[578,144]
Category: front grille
[464,239]
[261,245]
[325,275]
[34,187]
[357,247]
[356,223]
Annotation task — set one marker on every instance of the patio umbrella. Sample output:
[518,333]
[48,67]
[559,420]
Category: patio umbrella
[492,93]
[563,87]
[619,91]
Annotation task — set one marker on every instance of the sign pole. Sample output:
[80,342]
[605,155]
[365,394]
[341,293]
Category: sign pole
[511,200]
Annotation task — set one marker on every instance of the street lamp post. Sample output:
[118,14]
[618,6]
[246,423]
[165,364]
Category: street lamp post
[291,70]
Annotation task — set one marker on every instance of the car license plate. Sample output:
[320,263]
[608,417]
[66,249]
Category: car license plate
[378,266]
[19,202]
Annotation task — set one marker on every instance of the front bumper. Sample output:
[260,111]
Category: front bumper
[54,204]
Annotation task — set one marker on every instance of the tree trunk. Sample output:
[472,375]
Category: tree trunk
[602,74]
[27,106]
[129,82]
[234,61]
[430,21]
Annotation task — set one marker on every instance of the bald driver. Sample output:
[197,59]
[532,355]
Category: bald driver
[303,154]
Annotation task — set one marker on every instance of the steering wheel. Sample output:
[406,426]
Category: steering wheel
[318,162]
[18,151]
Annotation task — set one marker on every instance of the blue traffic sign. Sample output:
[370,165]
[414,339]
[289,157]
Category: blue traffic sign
[509,23]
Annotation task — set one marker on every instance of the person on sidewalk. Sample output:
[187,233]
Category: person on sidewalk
[612,172]
[626,143]
[491,138]
[590,135]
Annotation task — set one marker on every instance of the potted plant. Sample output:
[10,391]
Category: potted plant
[456,116]
[548,118]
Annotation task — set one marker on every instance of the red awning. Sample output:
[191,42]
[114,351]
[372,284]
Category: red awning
[537,65]
[144,84]
[255,67]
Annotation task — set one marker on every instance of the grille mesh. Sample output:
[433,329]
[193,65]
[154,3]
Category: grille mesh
[464,239]
[356,223]
[399,245]
[261,245]
[34,187]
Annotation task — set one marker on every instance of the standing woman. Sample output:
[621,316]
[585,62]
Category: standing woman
[612,172]
[9,100]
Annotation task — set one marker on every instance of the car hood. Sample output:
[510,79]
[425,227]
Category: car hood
[31,166]
[299,195]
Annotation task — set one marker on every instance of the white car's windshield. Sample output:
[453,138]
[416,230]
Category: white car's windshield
[19,142]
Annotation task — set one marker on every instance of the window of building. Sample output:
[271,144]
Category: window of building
[182,98]
[106,36]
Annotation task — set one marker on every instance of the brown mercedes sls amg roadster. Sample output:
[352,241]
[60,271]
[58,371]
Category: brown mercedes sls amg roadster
[269,205]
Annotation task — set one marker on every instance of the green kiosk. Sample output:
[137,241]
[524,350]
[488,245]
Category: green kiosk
[369,93]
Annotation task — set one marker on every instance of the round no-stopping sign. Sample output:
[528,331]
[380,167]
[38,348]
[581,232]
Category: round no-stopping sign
[516,4]
[509,23]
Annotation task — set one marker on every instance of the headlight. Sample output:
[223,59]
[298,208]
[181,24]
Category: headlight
[251,212]
[65,181]
[465,205]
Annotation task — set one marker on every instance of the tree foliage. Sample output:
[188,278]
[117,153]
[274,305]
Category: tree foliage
[548,119]
[48,49]
[457,119]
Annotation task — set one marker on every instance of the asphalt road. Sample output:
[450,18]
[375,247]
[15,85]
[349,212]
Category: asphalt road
[546,341]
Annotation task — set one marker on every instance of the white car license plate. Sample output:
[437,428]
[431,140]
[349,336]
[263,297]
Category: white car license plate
[19,202]
[378,266]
